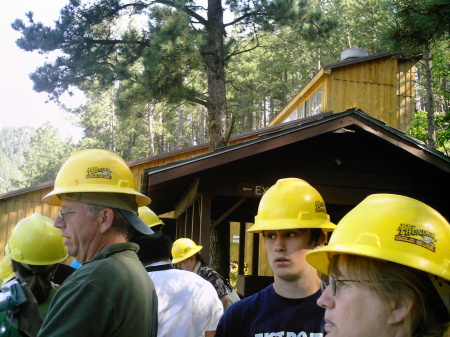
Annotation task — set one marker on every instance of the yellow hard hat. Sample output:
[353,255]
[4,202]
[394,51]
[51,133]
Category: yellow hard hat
[36,241]
[392,228]
[6,272]
[149,217]
[290,204]
[184,248]
[95,171]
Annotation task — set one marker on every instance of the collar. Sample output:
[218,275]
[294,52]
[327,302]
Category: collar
[114,249]
[159,263]
[197,267]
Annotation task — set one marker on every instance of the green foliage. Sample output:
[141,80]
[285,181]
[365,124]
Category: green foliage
[46,155]
[147,68]
[182,45]
[419,23]
[14,142]
[419,126]
[441,75]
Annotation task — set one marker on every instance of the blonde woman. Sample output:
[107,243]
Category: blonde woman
[388,267]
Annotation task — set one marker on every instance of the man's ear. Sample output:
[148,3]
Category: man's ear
[400,309]
[106,219]
[321,240]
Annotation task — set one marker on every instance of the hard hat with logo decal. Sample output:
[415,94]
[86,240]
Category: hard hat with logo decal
[184,248]
[393,228]
[95,171]
[291,203]
[6,272]
[36,241]
[149,217]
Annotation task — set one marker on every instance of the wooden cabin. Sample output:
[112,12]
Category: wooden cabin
[346,156]
[381,85]
[342,133]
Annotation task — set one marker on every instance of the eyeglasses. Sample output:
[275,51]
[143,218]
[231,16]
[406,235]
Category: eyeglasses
[332,281]
[61,213]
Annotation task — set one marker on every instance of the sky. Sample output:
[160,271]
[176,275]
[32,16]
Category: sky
[20,105]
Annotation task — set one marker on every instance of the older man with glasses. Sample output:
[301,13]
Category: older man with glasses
[111,294]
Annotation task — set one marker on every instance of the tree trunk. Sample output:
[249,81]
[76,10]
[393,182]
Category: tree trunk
[220,249]
[161,134]
[214,56]
[429,102]
[180,127]
[112,126]
[151,139]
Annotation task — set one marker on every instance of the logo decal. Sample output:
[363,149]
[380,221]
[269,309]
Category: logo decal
[417,236]
[98,172]
[320,207]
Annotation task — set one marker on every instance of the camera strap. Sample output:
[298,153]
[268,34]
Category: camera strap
[158,268]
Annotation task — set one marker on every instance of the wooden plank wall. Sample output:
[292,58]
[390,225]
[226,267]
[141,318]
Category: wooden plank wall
[18,207]
[406,93]
[263,261]
[369,86]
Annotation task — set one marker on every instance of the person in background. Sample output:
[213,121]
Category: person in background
[389,270]
[185,253]
[187,304]
[35,249]
[6,273]
[150,218]
[111,294]
[292,219]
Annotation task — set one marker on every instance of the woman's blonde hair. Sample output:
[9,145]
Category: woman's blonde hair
[392,282]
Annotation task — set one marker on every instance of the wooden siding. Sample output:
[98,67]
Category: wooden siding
[369,86]
[248,249]
[20,206]
[381,87]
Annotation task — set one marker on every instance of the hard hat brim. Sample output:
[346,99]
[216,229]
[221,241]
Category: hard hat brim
[53,198]
[320,258]
[137,222]
[192,252]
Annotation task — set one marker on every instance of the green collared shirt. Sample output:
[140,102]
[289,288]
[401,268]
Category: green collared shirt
[111,295]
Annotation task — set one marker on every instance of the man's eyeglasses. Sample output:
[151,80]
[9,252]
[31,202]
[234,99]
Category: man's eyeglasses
[61,213]
[332,281]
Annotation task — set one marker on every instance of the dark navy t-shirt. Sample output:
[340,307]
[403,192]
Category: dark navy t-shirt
[267,314]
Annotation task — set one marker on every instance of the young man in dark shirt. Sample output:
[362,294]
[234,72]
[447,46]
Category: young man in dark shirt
[293,220]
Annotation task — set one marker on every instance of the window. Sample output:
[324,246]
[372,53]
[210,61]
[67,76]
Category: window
[316,102]
[292,116]
[304,110]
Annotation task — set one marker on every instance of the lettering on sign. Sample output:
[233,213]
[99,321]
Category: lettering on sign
[250,189]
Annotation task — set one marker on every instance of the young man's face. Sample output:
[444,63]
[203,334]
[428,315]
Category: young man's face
[287,250]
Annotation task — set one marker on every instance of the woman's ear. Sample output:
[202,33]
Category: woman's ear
[400,309]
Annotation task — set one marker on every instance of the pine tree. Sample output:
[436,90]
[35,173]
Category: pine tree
[46,155]
[182,39]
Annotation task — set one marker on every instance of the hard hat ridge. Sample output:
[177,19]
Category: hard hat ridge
[183,249]
[291,203]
